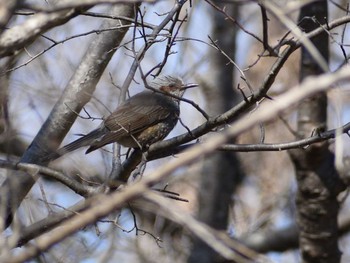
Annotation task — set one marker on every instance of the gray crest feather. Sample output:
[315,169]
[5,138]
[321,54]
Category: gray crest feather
[166,80]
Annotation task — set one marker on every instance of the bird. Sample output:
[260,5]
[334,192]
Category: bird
[139,121]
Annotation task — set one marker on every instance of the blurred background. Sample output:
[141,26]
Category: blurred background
[253,191]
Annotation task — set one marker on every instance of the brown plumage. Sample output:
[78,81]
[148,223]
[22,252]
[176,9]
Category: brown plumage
[138,122]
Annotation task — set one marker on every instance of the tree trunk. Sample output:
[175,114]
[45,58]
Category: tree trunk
[221,172]
[317,178]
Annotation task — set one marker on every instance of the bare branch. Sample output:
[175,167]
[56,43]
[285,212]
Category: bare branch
[226,247]
[319,137]
[16,38]
[37,170]
[67,4]
[270,6]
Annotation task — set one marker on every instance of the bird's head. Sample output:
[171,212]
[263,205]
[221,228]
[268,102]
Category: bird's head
[171,85]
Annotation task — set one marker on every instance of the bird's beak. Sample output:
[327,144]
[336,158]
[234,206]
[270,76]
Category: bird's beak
[189,85]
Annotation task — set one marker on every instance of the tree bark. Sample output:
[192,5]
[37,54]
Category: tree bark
[10,143]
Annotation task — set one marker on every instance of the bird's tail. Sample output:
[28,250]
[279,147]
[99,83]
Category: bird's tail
[85,140]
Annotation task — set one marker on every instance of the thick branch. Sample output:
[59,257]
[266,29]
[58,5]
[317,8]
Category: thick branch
[283,239]
[18,37]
